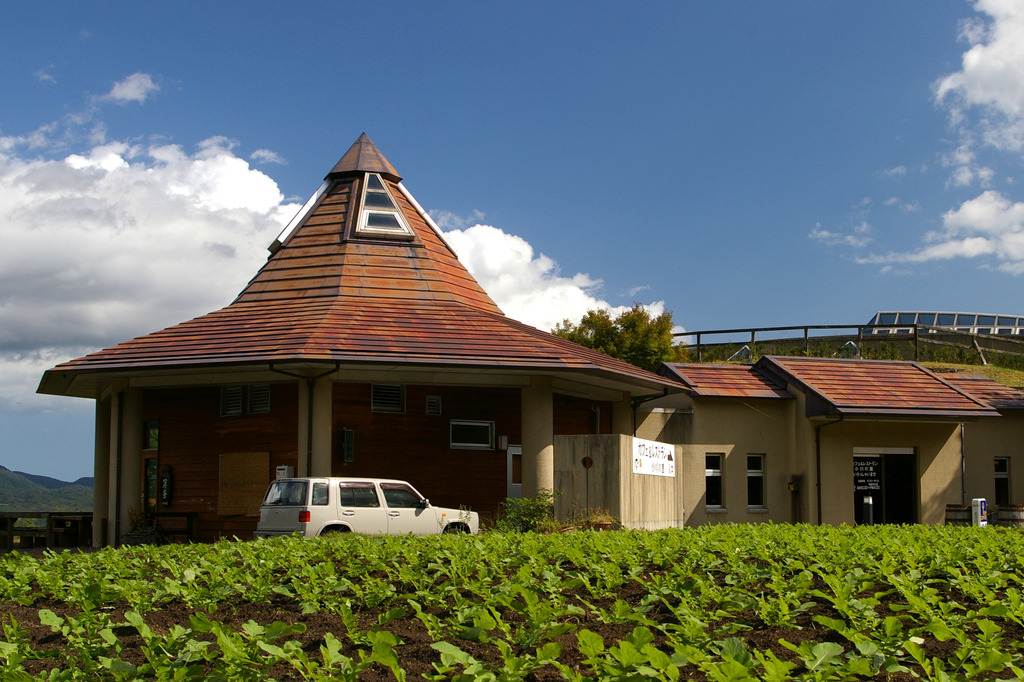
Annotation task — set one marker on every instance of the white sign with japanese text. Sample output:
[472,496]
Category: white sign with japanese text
[653,458]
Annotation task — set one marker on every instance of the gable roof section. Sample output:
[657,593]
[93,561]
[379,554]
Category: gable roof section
[999,396]
[330,294]
[873,389]
[733,381]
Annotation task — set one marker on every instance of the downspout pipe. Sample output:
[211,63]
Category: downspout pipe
[817,460]
[310,384]
[963,465]
[640,400]
[118,452]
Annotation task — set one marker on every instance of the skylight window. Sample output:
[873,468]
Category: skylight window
[380,216]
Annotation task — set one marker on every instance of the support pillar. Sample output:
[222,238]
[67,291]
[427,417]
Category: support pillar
[622,417]
[323,411]
[538,437]
[101,473]
[124,505]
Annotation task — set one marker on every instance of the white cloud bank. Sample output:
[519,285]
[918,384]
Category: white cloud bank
[985,102]
[528,287]
[119,240]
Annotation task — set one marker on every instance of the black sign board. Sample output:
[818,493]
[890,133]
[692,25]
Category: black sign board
[867,473]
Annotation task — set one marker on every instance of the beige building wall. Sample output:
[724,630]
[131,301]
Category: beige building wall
[987,439]
[788,440]
[935,445]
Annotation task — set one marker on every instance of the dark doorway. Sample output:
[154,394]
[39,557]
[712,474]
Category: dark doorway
[890,481]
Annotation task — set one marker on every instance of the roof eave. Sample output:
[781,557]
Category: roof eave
[895,414]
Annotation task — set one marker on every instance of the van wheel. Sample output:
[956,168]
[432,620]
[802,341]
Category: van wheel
[455,528]
[331,530]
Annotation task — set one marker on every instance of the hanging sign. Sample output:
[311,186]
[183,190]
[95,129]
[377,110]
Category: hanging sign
[653,459]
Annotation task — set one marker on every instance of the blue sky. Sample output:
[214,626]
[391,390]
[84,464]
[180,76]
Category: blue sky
[736,163]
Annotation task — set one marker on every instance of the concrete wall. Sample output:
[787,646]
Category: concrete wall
[779,430]
[987,439]
[937,450]
[734,429]
[609,484]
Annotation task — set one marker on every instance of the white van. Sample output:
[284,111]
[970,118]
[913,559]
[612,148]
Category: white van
[314,506]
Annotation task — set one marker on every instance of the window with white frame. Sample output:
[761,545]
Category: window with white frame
[380,216]
[714,488]
[755,481]
[1002,465]
[470,434]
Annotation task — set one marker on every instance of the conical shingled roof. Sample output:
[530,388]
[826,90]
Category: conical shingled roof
[324,255]
[363,156]
[337,289]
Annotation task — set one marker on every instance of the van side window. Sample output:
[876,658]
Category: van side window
[320,489]
[400,496]
[358,495]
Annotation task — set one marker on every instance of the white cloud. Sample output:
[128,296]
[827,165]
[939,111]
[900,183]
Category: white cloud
[988,225]
[267,156]
[985,98]
[118,241]
[527,287]
[858,238]
[44,75]
[135,88]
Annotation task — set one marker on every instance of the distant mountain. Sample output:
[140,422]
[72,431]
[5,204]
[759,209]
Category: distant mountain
[53,483]
[28,492]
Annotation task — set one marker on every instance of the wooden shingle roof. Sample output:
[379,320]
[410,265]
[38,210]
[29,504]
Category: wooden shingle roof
[999,396]
[337,289]
[873,388]
[731,381]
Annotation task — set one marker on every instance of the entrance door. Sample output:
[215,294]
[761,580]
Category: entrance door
[889,479]
[514,471]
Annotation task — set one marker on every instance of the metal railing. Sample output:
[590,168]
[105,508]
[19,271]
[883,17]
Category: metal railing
[914,333]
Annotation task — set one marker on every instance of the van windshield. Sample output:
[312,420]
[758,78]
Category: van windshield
[286,493]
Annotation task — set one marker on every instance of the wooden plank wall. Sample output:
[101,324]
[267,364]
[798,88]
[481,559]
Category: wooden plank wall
[192,437]
[412,445]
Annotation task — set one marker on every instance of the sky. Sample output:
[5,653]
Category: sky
[738,164]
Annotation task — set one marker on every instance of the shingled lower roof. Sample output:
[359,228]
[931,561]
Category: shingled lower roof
[999,396]
[345,330]
[732,381]
[873,389]
[342,288]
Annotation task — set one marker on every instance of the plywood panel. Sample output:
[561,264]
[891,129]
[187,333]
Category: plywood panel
[244,477]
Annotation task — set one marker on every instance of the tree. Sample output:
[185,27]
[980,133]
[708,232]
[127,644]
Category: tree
[633,336]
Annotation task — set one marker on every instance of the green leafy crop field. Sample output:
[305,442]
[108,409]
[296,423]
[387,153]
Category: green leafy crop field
[729,602]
